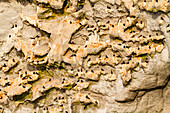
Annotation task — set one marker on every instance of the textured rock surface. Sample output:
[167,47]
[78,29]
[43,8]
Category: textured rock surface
[84,56]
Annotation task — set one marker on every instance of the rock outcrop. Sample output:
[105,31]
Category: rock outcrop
[84,56]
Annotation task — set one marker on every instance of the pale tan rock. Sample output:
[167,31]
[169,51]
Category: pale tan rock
[9,44]
[32,20]
[84,98]
[110,77]
[19,89]
[11,63]
[41,50]
[68,36]
[54,110]
[162,5]
[141,25]
[4,81]
[81,85]
[36,92]
[93,75]
[3,98]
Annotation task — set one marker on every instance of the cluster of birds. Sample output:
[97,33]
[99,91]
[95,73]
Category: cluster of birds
[130,49]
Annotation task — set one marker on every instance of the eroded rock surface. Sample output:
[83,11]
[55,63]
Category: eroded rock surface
[84,56]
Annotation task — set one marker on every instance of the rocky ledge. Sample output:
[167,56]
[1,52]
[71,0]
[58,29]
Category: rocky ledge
[84,56]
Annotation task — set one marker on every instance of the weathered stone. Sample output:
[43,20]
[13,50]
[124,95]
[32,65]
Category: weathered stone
[80,53]
[123,93]
[41,50]
[151,102]
[166,94]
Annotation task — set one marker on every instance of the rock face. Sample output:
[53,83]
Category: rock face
[85,56]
